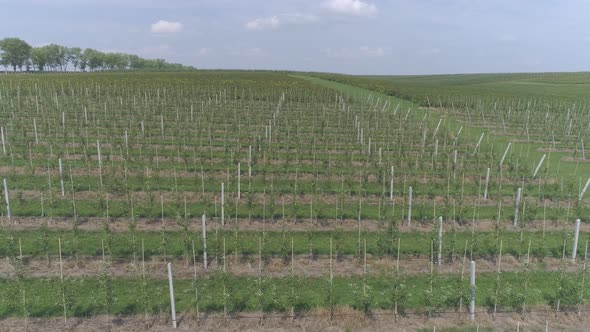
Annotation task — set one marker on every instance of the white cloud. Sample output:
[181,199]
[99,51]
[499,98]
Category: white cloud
[352,53]
[204,51]
[351,7]
[250,52]
[167,27]
[263,23]
[273,22]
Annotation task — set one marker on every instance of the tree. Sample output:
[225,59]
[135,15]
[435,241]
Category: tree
[75,57]
[39,58]
[15,52]
[57,56]
[94,59]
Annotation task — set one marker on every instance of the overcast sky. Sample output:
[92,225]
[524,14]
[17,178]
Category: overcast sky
[345,36]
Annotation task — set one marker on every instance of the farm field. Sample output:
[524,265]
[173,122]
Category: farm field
[294,200]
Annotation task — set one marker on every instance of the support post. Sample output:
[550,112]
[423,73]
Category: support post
[576,236]
[472,291]
[172,304]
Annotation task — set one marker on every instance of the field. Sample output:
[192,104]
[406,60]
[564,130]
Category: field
[328,201]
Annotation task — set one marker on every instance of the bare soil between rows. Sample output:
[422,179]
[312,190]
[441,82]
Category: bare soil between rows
[301,225]
[344,319]
[303,265]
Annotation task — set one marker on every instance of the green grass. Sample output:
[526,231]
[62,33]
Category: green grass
[384,243]
[87,296]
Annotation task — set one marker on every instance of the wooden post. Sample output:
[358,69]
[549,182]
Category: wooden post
[172,304]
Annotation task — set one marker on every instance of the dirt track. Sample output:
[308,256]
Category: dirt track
[345,319]
[274,267]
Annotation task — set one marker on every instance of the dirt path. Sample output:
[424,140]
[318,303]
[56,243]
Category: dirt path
[273,267]
[301,225]
[345,319]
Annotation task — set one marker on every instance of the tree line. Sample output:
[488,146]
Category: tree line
[16,53]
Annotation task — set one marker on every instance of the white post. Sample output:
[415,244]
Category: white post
[98,153]
[204,242]
[576,235]
[478,143]
[239,178]
[583,151]
[440,239]
[61,178]
[505,153]
[3,143]
[35,127]
[7,200]
[472,291]
[517,207]
[250,161]
[436,150]
[584,190]
[454,164]
[391,184]
[485,194]
[539,166]
[410,206]
[437,126]
[172,304]
[222,206]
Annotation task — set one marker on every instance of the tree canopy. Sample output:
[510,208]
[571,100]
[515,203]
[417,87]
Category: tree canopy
[17,53]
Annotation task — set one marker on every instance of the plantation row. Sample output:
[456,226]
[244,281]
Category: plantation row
[558,117]
[429,294]
[115,169]
[384,242]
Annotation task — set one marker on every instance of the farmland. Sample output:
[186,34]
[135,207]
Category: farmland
[289,196]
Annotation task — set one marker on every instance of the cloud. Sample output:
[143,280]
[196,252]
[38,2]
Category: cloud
[204,51]
[274,22]
[167,27]
[263,23]
[360,52]
[351,7]
[249,52]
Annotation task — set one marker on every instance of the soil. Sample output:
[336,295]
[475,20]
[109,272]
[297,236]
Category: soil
[301,225]
[272,267]
[344,319]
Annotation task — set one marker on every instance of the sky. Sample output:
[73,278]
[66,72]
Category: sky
[377,37]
